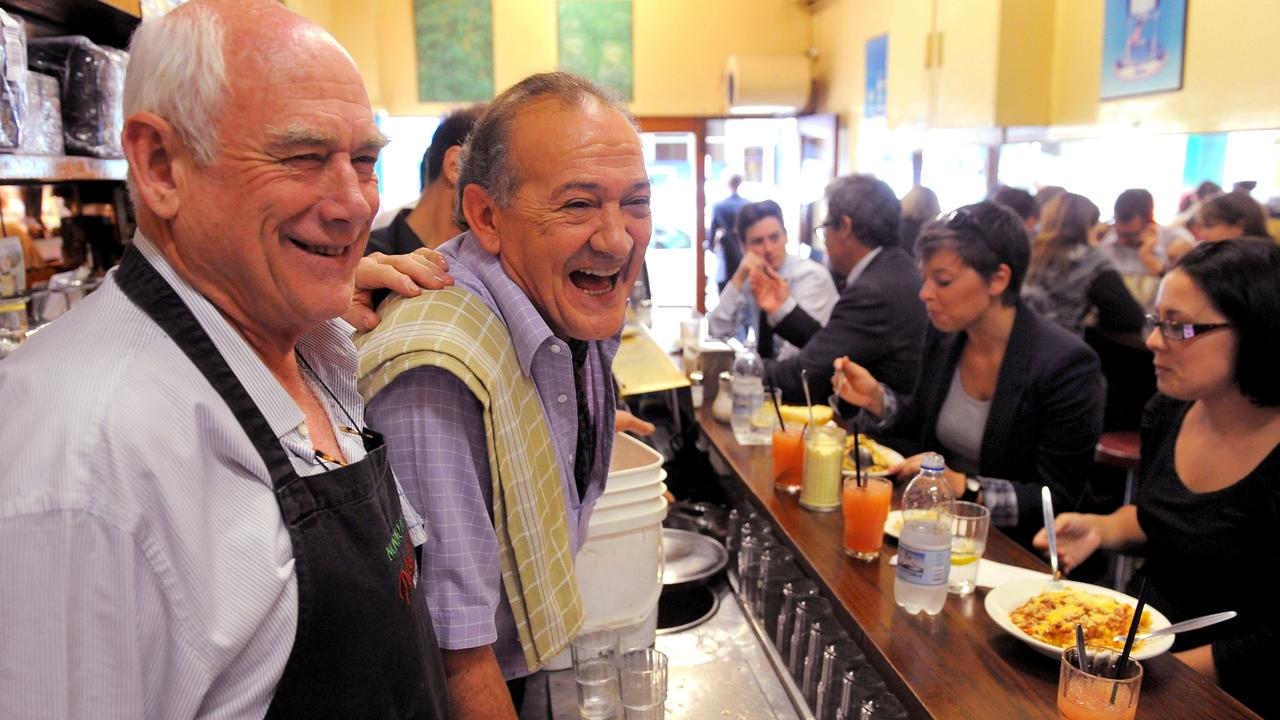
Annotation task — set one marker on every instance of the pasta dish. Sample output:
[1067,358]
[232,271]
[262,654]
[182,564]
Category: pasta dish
[1052,615]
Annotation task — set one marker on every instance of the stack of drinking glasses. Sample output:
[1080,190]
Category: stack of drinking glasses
[613,685]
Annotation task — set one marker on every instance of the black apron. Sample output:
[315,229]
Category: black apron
[364,646]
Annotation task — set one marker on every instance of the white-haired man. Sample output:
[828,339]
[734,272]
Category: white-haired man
[202,526]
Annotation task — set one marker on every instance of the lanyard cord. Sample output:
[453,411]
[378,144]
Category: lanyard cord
[327,391]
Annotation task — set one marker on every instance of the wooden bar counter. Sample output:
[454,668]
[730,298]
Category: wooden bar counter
[958,664]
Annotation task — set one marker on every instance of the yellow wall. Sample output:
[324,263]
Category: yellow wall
[680,46]
[841,29]
[1229,71]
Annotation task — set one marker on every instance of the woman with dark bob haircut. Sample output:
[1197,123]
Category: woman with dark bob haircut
[1207,511]
[1012,401]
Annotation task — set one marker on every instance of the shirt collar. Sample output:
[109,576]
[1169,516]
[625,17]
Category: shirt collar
[857,270]
[328,348]
[529,331]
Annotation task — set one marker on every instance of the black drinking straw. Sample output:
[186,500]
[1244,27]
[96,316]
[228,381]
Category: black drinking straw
[773,396]
[1082,659]
[1128,640]
[857,454]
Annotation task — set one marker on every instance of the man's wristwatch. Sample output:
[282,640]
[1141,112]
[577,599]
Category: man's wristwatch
[972,488]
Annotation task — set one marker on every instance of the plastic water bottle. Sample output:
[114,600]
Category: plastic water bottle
[748,395]
[924,546]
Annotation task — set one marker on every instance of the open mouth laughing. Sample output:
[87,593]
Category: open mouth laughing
[595,282]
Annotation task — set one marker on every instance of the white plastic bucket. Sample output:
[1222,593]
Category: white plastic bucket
[619,567]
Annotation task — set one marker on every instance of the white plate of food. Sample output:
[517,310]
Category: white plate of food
[1045,618]
[882,457]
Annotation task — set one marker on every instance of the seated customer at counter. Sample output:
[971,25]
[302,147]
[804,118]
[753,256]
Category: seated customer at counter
[1010,399]
[878,319]
[770,284]
[1069,279]
[1207,510]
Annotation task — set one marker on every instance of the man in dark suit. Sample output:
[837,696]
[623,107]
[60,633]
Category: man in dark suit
[879,320]
[721,237]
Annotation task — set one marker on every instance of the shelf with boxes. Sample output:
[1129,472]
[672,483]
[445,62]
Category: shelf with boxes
[64,214]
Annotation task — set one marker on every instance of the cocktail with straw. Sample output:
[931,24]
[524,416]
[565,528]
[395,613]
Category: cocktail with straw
[1096,684]
[788,452]
[823,461]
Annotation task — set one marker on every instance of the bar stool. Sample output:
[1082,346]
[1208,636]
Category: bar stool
[1121,450]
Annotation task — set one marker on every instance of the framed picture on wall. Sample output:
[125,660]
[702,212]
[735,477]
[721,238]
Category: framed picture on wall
[1143,43]
[877,64]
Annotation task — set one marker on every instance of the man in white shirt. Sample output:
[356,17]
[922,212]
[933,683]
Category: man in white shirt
[194,520]
[769,284]
[1138,246]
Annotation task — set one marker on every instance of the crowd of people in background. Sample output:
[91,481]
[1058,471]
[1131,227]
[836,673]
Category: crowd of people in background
[991,357]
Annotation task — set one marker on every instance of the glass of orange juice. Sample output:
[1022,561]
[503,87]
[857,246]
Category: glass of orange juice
[865,508]
[788,458]
[1084,695]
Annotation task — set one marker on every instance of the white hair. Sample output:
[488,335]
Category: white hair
[177,71]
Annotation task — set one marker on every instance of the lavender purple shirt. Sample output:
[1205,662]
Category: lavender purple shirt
[435,434]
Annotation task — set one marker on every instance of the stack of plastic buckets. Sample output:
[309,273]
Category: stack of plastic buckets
[619,567]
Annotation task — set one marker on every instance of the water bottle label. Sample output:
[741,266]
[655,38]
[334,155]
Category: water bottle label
[924,567]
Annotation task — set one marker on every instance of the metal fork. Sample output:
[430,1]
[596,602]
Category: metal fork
[1046,502]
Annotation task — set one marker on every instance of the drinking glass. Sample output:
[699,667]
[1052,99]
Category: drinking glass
[642,675]
[749,559]
[775,562]
[788,458]
[968,542]
[837,657]
[595,670]
[866,507]
[823,633]
[792,592]
[807,610]
[738,522]
[690,333]
[823,468]
[882,706]
[1088,696]
[856,685]
[771,598]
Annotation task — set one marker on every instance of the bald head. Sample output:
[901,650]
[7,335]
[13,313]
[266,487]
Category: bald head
[251,148]
[184,65]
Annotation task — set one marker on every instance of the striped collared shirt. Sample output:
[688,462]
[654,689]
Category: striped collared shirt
[146,570]
[435,434]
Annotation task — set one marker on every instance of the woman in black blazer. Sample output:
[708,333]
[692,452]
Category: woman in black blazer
[1011,400]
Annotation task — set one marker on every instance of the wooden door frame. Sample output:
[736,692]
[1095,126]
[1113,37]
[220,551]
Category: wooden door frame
[697,126]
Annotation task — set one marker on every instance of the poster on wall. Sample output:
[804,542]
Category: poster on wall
[595,42]
[877,64]
[455,50]
[1142,47]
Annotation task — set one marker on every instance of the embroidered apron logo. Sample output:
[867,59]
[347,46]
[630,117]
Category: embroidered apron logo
[407,578]
[397,537]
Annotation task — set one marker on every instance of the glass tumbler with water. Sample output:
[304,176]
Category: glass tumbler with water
[643,677]
[968,542]
[595,671]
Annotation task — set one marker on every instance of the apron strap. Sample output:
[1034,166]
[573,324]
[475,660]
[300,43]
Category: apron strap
[148,290]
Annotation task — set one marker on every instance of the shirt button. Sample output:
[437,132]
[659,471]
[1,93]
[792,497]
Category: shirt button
[563,398]
[555,349]
[303,431]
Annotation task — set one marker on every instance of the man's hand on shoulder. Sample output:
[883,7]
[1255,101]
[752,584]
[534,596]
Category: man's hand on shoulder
[407,275]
